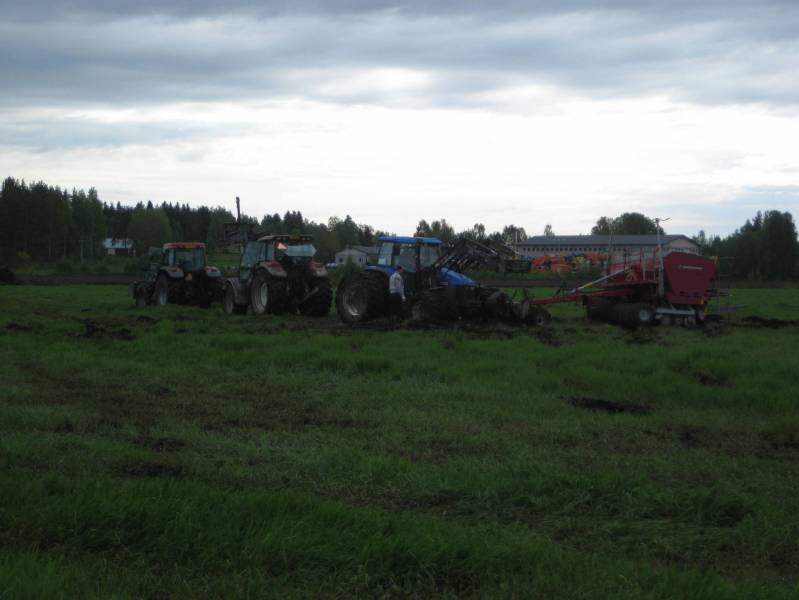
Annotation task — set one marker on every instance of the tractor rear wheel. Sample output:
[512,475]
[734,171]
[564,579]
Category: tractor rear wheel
[161,294]
[141,296]
[318,305]
[229,302]
[267,294]
[359,298]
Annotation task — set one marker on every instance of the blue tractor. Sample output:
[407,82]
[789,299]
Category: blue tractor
[435,284]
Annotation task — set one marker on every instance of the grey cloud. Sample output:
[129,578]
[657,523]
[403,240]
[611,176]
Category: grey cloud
[47,134]
[127,53]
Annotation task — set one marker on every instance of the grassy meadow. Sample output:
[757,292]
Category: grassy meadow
[178,452]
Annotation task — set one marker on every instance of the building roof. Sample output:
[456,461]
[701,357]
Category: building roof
[600,240]
[367,249]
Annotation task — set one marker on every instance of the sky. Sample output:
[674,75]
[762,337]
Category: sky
[503,112]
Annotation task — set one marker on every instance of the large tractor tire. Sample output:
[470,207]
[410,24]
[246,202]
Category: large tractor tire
[318,305]
[267,294]
[360,297]
[229,302]
[163,290]
[140,296]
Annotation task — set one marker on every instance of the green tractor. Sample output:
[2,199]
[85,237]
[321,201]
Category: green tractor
[277,274]
[178,273]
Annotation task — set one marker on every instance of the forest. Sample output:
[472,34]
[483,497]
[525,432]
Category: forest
[44,223]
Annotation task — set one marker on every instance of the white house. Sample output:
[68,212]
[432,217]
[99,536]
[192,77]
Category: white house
[359,255]
[118,246]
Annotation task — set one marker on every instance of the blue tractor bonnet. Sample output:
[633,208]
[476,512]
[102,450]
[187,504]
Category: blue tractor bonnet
[455,279]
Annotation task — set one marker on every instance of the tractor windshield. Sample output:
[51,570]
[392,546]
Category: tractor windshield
[300,250]
[393,254]
[189,259]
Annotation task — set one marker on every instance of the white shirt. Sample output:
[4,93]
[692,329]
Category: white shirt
[396,285]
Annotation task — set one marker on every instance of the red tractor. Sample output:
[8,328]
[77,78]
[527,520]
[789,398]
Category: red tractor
[178,273]
[278,273]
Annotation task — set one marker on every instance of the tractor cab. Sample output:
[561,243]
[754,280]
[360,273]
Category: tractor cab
[412,253]
[188,256]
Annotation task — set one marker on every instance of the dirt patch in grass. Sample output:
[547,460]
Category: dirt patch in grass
[643,335]
[688,435]
[706,377]
[609,406]
[159,444]
[755,321]
[150,469]
[94,330]
[18,327]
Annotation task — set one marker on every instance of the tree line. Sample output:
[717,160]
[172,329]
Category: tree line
[46,223]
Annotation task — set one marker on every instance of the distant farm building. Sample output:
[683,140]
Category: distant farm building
[118,246]
[359,255]
[572,245]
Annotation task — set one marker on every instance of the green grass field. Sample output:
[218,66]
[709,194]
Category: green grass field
[183,453]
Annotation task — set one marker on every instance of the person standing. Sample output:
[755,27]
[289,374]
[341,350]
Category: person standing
[396,291]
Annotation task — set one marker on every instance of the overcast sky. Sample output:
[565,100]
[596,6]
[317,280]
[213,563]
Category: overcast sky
[497,112]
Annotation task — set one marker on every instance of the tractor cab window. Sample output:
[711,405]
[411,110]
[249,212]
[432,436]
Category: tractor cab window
[393,254]
[406,257]
[254,253]
[428,255]
[189,259]
[384,259]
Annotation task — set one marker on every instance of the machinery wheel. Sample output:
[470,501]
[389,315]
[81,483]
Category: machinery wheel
[600,309]
[359,298]
[498,305]
[643,314]
[539,316]
[141,296]
[429,307]
[161,294]
[267,294]
[229,302]
[319,304]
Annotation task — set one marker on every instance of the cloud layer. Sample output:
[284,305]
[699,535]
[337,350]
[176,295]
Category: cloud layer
[427,53]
